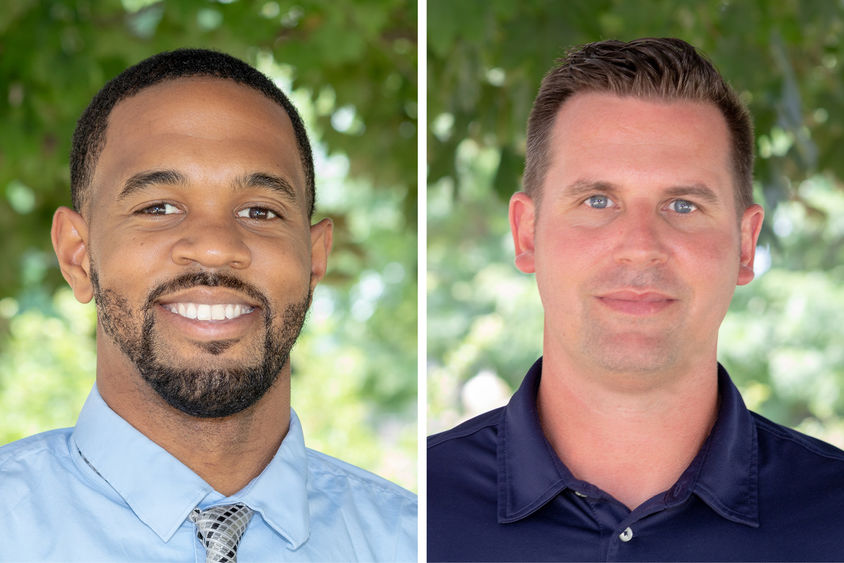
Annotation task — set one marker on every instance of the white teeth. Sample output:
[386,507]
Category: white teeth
[205,312]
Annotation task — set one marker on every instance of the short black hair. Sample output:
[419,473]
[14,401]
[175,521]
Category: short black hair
[90,134]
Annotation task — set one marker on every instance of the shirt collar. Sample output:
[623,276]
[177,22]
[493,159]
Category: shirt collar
[280,492]
[162,491]
[529,471]
[728,461]
[723,474]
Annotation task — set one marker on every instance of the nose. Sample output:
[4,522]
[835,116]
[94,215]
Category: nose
[640,239]
[211,243]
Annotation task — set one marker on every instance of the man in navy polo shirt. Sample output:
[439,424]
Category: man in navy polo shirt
[627,441]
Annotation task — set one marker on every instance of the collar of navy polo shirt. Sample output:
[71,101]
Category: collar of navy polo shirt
[724,474]
[162,491]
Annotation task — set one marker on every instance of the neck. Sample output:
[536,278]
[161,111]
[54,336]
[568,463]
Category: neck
[632,435]
[226,452]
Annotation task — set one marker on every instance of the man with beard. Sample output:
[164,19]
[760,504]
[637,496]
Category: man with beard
[627,441]
[193,188]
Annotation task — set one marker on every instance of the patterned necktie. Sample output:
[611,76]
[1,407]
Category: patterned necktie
[219,529]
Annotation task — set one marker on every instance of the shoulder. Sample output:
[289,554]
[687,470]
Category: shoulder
[482,426]
[796,447]
[472,443]
[802,475]
[463,481]
[34,464]
[39,449]
[457,458]
[358,498]
[329,473]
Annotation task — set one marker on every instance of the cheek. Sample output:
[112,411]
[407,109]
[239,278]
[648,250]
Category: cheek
[564,260]
[713,253]
[710,265]
[282,263]
[570,251]
[131,259]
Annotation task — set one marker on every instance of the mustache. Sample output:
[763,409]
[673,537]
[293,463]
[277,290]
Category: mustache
[208,279]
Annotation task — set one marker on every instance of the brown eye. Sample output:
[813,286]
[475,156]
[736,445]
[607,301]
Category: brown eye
[257,213]
[159,209]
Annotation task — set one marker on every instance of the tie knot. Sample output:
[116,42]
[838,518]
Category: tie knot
[219,529]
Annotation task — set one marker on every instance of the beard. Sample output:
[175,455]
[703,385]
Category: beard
[211,387]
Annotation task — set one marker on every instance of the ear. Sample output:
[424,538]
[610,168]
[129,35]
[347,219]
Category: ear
[522,223]
[322,234]
[70,242]
[751,225]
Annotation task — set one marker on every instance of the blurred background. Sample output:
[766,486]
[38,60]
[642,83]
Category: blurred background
[350,67]
[782,340]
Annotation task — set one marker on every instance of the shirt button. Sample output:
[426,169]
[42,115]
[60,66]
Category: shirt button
[626,535]
[581,495]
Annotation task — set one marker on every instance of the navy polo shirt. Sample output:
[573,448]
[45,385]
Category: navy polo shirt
[756,491]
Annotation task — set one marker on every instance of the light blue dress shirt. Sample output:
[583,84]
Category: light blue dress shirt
[102,491]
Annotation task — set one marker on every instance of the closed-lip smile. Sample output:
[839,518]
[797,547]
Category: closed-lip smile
[636,302]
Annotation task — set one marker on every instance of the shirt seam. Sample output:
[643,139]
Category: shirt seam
[370,480]
[793,436]
[489,419]
[20,450]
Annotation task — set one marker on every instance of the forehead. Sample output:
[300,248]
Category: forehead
[204,127]
[598,135]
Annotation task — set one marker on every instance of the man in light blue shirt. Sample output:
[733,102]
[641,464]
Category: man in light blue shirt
[193,188]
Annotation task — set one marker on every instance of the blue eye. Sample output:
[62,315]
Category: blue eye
[682,206]
[599,202]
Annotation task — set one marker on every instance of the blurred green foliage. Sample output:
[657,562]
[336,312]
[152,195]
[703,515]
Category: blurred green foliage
[351,69]
[487,57]
[782,340]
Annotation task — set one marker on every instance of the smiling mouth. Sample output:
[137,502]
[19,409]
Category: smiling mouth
[633,303]
[206,312]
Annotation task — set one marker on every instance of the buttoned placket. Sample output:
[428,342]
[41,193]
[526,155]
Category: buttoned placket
[619,527]
[613,520]
[623,538]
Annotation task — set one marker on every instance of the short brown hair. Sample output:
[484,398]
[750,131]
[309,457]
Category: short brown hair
[661,68]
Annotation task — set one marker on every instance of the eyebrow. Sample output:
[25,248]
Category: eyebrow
[277,184]
[589,187]
[147,179]
[700,191]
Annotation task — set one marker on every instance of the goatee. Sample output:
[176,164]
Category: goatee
[210,389]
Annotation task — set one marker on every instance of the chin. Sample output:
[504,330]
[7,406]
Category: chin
[633,354]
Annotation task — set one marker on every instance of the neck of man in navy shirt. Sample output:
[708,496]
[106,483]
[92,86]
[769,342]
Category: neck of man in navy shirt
[627,441]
